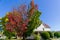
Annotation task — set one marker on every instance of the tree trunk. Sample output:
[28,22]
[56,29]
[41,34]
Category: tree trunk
[9,38]
[24,37]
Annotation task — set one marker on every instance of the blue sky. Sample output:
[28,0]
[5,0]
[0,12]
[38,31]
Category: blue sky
[50,10]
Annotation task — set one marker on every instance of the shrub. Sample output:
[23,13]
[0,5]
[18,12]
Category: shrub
[51,34]
[57,34]
[36,36]
[45,35]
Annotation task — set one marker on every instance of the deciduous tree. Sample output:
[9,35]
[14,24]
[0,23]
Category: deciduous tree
[23,21]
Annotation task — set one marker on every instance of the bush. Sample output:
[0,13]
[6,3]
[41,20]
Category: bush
[45,35]
[51,34]
[9,34]
[36,36]
[57,34]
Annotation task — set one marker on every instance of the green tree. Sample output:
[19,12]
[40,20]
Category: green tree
[34,23]
[57,34]
[34,19]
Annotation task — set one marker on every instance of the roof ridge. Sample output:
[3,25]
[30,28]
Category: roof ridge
[46,25]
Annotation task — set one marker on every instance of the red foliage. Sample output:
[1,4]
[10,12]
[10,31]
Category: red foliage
[18,19]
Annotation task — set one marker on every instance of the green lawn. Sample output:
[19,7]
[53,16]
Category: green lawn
[55,39]
[12,39]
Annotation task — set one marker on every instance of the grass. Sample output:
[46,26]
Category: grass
[55,39]
[12,39]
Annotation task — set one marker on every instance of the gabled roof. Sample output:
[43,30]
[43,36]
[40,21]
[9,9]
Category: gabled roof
[46,26]
[42,26]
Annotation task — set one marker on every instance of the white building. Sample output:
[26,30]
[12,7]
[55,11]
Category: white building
[43,27]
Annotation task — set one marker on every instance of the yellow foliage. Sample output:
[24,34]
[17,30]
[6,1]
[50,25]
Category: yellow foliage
[6,19]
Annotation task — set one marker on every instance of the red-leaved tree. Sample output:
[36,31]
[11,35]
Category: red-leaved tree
[19,18]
